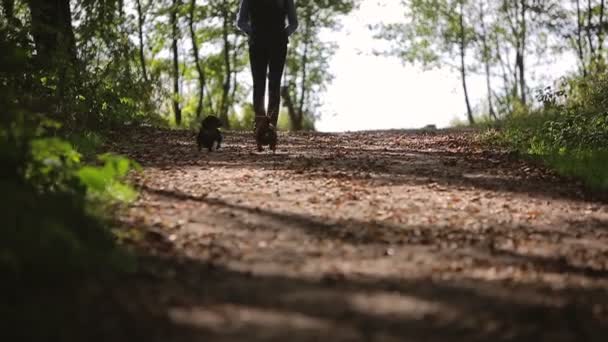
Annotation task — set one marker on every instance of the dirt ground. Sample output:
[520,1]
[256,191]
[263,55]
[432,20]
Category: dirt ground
[376,236]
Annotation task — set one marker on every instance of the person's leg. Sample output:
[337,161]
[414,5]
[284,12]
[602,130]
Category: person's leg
[258,57]
[278,55]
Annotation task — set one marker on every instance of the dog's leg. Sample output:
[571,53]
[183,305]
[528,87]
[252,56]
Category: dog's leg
[219,140]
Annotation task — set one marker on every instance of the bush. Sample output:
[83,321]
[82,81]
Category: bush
[569,132]
[51,201]
[50,205]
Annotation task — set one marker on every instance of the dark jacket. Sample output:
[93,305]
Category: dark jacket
[267,17]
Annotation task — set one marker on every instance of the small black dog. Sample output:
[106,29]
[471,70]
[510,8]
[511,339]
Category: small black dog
[209,133]
[265,133]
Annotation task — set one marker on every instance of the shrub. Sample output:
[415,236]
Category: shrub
[569,132]
[50,205]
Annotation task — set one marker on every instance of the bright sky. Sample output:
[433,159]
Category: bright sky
[371,92]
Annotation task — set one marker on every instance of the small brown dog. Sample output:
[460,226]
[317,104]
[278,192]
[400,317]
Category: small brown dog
[265,133]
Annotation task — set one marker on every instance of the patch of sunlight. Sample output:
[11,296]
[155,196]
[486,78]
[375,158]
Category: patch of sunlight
[488,176]
[395,304]
[378,303]
[235,317]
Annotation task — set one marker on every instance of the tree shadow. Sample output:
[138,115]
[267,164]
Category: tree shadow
[488,247]
[377,308]
[181,299]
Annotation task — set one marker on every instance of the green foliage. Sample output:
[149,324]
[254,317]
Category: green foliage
[285,124]
[245,121]
[49,227]
[51,201]
[574,120]
[588,165]
[430,33]
[87,143]
[570,131]
[105,182]
[52,164]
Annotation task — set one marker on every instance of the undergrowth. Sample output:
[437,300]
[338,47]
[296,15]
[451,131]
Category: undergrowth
[569,132]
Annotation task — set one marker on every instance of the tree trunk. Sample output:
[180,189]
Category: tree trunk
[522,52]
[600,34]
[507,86]
[8,8]
[511,9]
[463,72]
[228,70]
[235,54]
[579,39]
[197,62]
[296,121]
[140,32]
[126,51]
[588,29]
[519,63]
[52,32]
[486,57]
[489,90]
[55,43]
[174,36]
[299,117]
[210,106]
[121,9]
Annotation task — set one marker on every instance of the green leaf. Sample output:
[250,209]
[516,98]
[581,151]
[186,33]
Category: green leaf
[93,178]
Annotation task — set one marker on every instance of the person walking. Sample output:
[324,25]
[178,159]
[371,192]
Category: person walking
[263,21]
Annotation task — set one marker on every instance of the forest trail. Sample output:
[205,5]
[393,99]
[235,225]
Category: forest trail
[375,236]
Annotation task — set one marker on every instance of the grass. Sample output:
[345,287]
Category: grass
[529,135]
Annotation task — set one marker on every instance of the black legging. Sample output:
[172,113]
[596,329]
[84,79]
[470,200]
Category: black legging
[267,54]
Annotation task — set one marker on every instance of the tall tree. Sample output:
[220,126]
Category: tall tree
[486,54]
[140,33]
[227,23]
[236,52]
[462,46]
[298,117]
[589,28]
[197,62]
[306,71]
[515,14]
[433,30]
[527,24]
[52,31]
[177,111]
[600,28]
[55,43]
[579,38]
[588,34]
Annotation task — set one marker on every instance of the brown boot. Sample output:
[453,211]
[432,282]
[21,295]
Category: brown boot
[265,134]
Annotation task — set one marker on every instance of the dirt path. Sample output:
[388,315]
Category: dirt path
[385,236]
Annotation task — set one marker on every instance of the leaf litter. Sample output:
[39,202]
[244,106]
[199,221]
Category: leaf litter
[492,240]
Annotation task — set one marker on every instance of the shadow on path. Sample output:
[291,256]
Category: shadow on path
[181,299]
